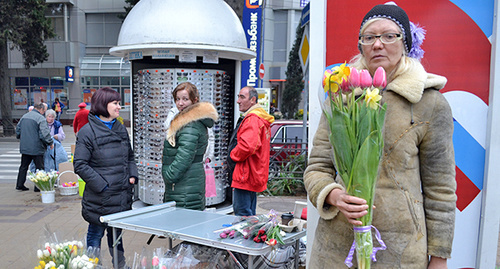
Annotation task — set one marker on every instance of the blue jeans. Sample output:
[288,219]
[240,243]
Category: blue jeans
[244,202]
[94,236]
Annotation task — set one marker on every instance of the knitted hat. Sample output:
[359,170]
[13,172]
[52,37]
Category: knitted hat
[392,12]
[82,105]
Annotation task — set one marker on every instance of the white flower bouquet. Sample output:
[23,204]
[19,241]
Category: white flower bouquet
[44,180]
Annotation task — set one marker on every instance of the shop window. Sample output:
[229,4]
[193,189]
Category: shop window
[109,81]
[125,81]
[30,90]
[90,80]
[57,81]
[39,81]
[22,81]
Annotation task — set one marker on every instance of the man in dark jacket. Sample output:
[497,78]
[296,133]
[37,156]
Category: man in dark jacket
[34,133]
[251,153]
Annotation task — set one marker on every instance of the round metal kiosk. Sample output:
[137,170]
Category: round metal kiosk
[169,42]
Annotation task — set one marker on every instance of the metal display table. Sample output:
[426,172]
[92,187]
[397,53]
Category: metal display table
[191,226]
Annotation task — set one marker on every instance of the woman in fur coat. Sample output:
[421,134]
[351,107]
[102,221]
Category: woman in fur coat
[415,193]
[184,147]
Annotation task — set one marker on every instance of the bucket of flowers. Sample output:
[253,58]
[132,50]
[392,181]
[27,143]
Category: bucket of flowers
[45,181]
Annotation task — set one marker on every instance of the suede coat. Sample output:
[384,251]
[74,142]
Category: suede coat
[415,192]
[183,150]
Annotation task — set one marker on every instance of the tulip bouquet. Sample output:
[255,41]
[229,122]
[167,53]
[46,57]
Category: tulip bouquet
[261,229]
[67,255]
[356,117]
[45,181]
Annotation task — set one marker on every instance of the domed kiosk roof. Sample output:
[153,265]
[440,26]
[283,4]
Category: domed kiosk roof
[179,25]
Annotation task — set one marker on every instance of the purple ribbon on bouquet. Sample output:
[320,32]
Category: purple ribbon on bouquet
[364,229]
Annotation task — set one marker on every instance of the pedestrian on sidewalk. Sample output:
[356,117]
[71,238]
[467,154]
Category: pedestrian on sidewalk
[55,126]
[58,107]
[34,134]
[53,157]
[104,159]
[249,150]
[81,117]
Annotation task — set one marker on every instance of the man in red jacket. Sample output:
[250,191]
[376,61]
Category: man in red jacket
[251,153]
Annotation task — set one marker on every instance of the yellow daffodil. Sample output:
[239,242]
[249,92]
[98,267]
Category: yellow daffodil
[372,98]
[332,78]
[343,72]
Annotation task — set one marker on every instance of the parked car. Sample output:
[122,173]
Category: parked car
[288,158]
[286,140]
[287,133]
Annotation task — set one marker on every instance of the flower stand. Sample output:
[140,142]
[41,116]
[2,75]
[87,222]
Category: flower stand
[48,196]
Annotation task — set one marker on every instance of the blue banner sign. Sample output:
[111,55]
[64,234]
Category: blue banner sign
[252,24]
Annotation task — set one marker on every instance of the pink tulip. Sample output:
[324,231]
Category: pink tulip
[344,85]
[354,78]
[156,261]
[365,80]
[379,78]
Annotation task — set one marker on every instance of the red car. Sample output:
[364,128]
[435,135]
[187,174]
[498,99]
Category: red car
[286,139]
[288,158]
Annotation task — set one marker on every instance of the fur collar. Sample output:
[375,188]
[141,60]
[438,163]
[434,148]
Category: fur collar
[411,84]
[198,111]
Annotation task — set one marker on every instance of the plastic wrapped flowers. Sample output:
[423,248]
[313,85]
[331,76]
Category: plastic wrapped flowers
[67,255]
[260,229]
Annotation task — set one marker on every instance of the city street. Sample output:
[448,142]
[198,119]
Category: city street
[24,218]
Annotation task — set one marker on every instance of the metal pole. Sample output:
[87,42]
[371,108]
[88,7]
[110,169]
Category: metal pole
[490,212]
[306,105]
[250,261]
[115,250]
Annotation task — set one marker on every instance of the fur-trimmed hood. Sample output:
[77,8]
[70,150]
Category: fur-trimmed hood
[198,111]
[412,83]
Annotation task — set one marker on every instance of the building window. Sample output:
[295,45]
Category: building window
[30,90]
[105,71]
[55,12]
[103,29]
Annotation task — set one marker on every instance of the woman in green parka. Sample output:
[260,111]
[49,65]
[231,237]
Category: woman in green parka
[184,147]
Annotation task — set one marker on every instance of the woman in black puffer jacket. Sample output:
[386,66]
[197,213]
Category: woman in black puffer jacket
[183,150]
[105,161]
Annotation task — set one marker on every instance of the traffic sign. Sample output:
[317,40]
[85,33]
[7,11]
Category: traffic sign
[304,19]
[304,50]
[261,71]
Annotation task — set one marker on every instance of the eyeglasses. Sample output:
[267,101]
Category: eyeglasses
[387,38]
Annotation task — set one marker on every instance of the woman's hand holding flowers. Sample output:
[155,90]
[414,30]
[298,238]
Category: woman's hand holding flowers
[351,206]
